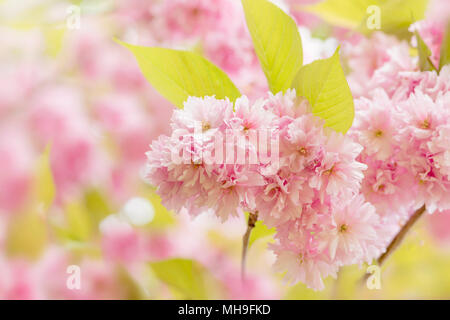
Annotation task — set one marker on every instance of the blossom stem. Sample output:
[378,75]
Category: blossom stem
[252,218]
[398,238]
[401,235]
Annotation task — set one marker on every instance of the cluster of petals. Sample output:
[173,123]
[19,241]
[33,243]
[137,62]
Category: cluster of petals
[305,180]
[406,146]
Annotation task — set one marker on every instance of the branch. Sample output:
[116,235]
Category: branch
[399,237]
[252,218]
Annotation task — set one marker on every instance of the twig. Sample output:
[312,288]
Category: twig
[252,218]
[399,237]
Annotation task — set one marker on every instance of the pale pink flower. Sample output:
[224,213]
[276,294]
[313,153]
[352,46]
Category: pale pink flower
[439,146]
[300,267]
[375,126]
[338,173]
[385,184]
[368,57]
[304,142]
[354,233]
[423,129]
[282,198]
[208,112]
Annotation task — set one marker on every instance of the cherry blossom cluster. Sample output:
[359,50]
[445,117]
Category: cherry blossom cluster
[406,143]
[402,120]
[309,191]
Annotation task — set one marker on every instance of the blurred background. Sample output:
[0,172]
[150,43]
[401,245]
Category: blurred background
[76,118]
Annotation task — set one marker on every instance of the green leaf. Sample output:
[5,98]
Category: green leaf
[425,63]
[54,40]
[445,49]
[184,275]
[132,288]
[163,218]
[79,224]
[260,231]
[343,13]
[43,185]
[395,15]
[276,40]
[179,74]
[27,233]
[323,84]
[97,205]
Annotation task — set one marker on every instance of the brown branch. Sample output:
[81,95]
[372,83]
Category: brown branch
[252,218]
[399,237]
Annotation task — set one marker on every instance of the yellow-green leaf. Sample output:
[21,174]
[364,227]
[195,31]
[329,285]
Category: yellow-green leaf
[132,288]
[186,276]
[97,205]
[179,74]
[276,40]
[395,16]
[79,224]
[54,39]
[43,185]
[425,63]
[323,84]
[445,49]
[163,218]
[27,235]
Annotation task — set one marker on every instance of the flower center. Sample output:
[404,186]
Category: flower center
[378,133]
[425,124]
[381,187]
[300,258]
[303,151]
[206,126]
[329,171]
[343,228]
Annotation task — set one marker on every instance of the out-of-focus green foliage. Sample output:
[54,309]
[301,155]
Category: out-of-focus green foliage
[97,205]
[79,224]
[36,16]
[133,289]
[445,49]
[323,83]
[179,74]
[28,233]
[276,40]
[54,39]
[395,15]
[186,277]
[43,185]
[163,218]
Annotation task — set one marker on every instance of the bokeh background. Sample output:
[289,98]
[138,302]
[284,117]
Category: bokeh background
[76,118]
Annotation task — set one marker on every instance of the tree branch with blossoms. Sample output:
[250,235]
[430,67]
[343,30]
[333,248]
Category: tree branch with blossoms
[332,188]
